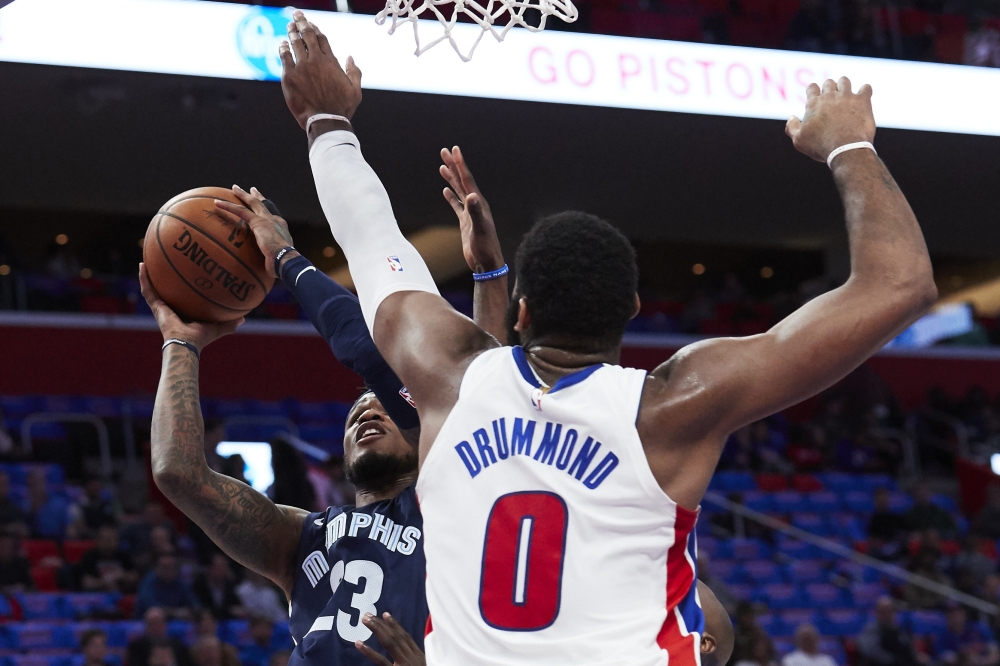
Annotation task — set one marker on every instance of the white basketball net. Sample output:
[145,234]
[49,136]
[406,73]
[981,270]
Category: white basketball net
[487,15]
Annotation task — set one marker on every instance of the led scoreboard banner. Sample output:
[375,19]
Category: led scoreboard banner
[240,42]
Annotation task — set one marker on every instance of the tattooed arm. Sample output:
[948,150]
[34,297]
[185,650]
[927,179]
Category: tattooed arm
[245,524]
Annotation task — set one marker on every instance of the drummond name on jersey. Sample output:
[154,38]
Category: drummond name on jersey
[545,442]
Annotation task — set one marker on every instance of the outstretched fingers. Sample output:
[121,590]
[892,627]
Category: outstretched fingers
[456,203]
[865,91]
[792,126]
[308,31]
[372,655]
[298,45]
[844,84]
[234,211]
[287,61]
[353,71]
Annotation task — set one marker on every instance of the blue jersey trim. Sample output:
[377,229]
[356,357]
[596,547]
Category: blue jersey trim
[563,382]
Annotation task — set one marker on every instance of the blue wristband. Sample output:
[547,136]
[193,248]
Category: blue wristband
[182,343]
[492,275]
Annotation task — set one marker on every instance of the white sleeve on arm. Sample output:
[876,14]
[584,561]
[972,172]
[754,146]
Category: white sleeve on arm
[357,207]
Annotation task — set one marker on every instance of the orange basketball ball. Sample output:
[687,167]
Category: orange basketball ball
[202,265]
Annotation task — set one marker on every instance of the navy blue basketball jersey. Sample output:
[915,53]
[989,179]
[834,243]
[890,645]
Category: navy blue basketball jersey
[353,561]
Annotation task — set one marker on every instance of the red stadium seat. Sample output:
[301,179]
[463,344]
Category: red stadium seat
[772,482]
[45,579]
[806,483]
[38,549]
[949,44]
[74,550]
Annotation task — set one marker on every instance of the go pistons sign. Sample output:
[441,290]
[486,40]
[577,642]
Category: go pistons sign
[240,41]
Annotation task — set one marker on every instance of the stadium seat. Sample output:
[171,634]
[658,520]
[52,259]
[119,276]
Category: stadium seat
[772,483]
[841,482]
[226,408]
[40,660]
[823,501]
[788,501]
[772,624]
[824,595]
[858,501]
[763,572]
[743,591]
[781,596]
[806,483]
[857,573]
[927,623]
[798,549]
[842,622]
[185,631]
[38,549]
[320,433]
[834,648]
[899,502]
[805,571]
[793,618]
[749,549]
[105,407]
[312,412]
[873,481]
[811,522]
[727,570]
[75,549]
[847,525]
[42,606]
[732,481]
[945,502]
[45,579]
[89,604]
[758,501]
[39,635]
[270,408]
[783,645]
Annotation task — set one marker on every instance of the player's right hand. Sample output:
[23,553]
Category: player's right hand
[394,639]
[311,76]
[479,235]
[834,116]
[200,334]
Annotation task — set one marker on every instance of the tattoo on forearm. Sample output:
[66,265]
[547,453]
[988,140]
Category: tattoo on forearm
[244,523]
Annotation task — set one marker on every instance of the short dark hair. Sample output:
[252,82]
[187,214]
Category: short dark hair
[90,635]
[579,276]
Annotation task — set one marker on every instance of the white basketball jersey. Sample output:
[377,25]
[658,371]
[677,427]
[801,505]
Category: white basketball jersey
[548,540]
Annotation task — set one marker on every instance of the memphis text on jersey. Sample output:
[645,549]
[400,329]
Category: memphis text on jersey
[568,451]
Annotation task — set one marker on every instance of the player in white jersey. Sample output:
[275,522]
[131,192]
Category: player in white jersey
[559,491]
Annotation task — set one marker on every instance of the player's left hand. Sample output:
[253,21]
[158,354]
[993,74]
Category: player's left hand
[311,76]
[394,639]
[200,334]
[270,230]
[479,235]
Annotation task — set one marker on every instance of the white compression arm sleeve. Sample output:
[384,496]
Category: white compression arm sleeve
[357,207]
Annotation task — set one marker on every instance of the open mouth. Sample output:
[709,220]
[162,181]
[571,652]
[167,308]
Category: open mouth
[368,432]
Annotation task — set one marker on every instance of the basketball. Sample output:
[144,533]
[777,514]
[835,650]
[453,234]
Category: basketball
[203,266]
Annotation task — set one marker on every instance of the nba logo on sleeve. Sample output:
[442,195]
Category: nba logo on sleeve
[395,265]
[406,396]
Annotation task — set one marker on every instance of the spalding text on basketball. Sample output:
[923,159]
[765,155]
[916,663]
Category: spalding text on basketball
[199,257]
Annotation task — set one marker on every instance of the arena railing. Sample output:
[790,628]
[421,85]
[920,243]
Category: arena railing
[102,433]
[839,550]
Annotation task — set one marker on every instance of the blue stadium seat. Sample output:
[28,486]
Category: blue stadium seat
[858,501]
[873,481]
[728,571]
[758,501]
[762,572]
[927,623]
[732,481]
[856,573]
[824,595]
[865,595]
[43,606]
[945,502]
[226,408]
[841,482]
[62,403]
[842,622]
[743,591]
[706,544]
[320,433]
[806,571]
[899,502]
[723,548]
[5,607]
[141,408]
[750,549]
[313,411]
[105,407]
[824,501]
[848,525]
[48,430]
[185,631]
[781,596]
[40,660]
[798,549]
[269,408]
[39,635]
[793,618]
[339,412]
[235,632]
[811,522]
[111,660]
[772,624]
[783,645]
[787,501]
[19,406]
[834,648]
[86,604]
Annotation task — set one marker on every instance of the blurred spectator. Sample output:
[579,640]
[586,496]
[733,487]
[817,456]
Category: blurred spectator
[216,591]
[971,567]
[925,514]
[291,485]
[987,523]
[148,536]
[280,658]
[6,441]
[260,597]
[107,567]
[210,651]
[811,28]
[966,642]
[885,529]
[746,633]
[883,642]
[15,571]
[715,584]
[98,509]
[698,310]
[12,517]
[259,652]
[925,563]
[94,647]
[761,653]
[49,513]
[234,466]
[330,486]
[982,45]
[163,588]
[207,625]
[141,651]
[807,649]
[62,262]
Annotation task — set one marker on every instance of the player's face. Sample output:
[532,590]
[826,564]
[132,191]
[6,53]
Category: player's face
[370,430]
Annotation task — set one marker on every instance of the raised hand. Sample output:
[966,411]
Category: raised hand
[394,639]
[270,230]
[312,79]
[834,116]
[200,334]
[479,236]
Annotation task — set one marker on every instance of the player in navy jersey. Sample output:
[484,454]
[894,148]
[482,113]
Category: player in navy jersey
[343,567]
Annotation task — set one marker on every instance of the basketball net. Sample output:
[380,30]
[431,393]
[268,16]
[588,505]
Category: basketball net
[487,16]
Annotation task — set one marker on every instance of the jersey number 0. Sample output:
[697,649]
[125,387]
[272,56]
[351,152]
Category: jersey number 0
[521,579]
